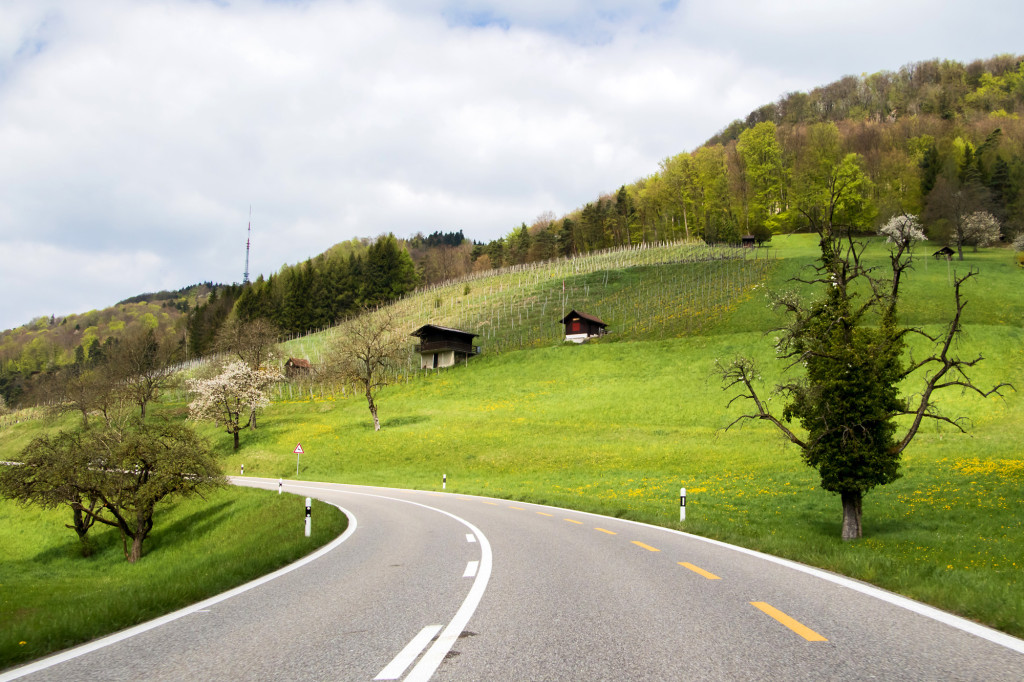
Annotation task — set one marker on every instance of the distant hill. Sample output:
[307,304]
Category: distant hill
[923,135]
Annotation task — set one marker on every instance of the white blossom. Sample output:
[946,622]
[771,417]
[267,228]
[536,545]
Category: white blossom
[981,228]
[225,397]
[1018,243]
[902,229]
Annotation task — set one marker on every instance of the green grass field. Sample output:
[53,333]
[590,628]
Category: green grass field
[618,426]
[52,598]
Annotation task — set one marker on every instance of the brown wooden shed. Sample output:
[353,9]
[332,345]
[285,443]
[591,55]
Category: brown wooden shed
[296,367]
[443,346]
[579,326]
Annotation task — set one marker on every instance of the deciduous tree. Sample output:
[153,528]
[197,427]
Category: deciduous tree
[230,397]
[368,348]
[849,348]
[113,476]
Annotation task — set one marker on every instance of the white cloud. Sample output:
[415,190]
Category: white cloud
[150,127]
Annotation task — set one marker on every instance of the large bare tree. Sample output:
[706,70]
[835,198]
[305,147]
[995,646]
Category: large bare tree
[142,367]
[365,353]
[253,342]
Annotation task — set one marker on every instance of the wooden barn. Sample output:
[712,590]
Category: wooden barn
[443,347]
[579,327]
[944,252]
[297,367]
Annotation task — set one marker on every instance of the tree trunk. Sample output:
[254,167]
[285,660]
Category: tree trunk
[851,514]
[136,552]
[81,526]
[235,433]
[373,411]
[252,420]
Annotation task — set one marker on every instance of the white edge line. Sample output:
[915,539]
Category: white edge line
[977,629]
[88,647]
[405,657]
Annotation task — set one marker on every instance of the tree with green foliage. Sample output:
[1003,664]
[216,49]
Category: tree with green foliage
[113,476]
[849,346]
[762,160]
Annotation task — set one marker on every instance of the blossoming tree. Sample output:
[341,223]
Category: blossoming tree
[238,390]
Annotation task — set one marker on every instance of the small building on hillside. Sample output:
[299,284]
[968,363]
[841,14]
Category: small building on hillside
[748,241]
[297,367]
[944,252]
[443,346]
[579,327]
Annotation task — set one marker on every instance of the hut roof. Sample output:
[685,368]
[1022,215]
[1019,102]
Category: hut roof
[431,328]
[583,316]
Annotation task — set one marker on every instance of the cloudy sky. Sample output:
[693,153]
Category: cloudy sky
[135,134]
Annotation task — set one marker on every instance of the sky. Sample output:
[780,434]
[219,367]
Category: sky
[136,136]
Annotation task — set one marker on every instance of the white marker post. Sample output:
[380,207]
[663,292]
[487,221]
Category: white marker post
[280,485]
[682,504]
[243,470]
[444,481]
[308,504]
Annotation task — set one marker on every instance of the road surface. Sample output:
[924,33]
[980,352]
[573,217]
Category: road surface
[428,585]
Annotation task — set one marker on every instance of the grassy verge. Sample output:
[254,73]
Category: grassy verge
[52,598]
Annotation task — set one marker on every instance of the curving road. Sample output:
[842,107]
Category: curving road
[453,587]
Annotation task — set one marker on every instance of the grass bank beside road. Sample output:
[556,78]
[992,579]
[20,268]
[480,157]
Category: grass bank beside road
[52,598]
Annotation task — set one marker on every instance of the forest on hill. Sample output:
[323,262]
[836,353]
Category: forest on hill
[939,139]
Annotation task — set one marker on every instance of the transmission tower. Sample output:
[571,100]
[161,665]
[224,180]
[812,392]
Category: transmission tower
[248,238]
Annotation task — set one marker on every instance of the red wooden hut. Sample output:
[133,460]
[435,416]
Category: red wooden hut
[579,326]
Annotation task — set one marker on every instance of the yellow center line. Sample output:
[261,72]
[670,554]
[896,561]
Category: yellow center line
[610,532]
[699,571]
[647,547]
[493,504]
[794,625]
[574,521]
[545,514]
[467,499]
[517,508]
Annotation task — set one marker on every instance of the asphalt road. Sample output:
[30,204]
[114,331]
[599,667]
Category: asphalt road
[452,587]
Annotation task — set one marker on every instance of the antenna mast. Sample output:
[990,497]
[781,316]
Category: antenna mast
[245,277]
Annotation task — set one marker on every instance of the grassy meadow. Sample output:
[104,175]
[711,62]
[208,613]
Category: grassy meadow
[618,425]
[52,598]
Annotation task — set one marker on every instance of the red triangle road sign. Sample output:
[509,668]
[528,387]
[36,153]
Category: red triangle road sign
[298,449]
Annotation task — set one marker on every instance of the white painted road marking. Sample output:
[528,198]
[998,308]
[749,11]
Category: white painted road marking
[406,656]
[471,569]
[470,537]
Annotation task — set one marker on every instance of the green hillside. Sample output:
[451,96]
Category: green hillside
[619,425]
